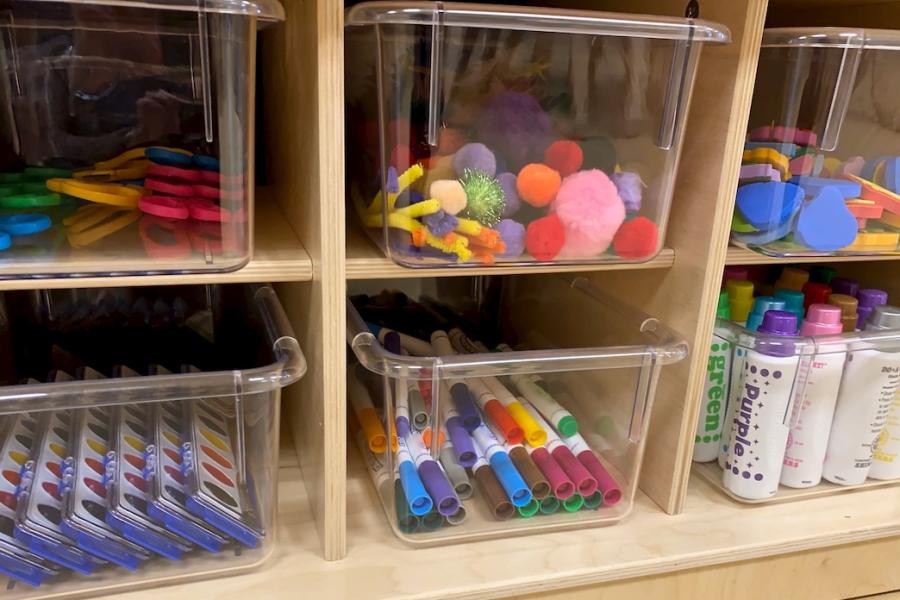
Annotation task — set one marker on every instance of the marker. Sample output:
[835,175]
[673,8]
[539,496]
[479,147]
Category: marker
[413,345]
[458,517]
[419,501]
[419,417]
[406,521]
[715,390]
[848,305]
[497,415]
[740,299]
[868,299]
[455,472]
[886,455]
[432,521]
[792,278]
[462,344]
[574,503]
[594,501]
[530,509]
[560,484]
[540,487]
[534,434]
[585,484]
[815,293]
[606,484]
[459,391]
[463,446]
[516,489]
[366,415]
[378,391]
[426,437]
[816,392]
[432,476]
[761,305]
[845,285]
[550,505]
[401,390]
[793,302]
[491,490]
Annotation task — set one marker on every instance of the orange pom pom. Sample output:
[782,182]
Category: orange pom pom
[565,156]
[537,184]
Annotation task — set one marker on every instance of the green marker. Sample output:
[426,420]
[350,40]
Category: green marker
[822,275]
[530,509]
[594,501]
[711,419]
[432,521]
[406,521]
[573,503]
[549,505]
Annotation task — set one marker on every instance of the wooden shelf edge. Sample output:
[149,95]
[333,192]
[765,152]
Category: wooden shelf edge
[740,256]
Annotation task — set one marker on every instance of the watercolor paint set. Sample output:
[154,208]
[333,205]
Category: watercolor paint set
[120,465]
[477,420]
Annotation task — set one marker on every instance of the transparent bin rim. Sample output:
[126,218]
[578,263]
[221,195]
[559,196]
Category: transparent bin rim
[288,365]
[266,10]
[831,37]
[663,347]
[886,340]
[489,16]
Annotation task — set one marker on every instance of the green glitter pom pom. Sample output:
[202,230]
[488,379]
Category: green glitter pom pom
[485,200]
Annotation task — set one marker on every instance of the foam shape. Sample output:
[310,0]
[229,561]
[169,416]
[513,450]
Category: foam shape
[476,157]
[739,225]
[852,166]
[875,241]
[768,204]
[763,172]
[868,170]
[782,133]
[802,165]
[864,209]
[590,209]
[451,195]
[861,223]
[768,156]
[760,238]
[450,140]
[538,184]
[564,156]
[805,137]
[892,174]
[891,220]
[825,223]
[831,167]
[513,235]
[630,188]
[887,199]
[760,134]
[636,239]
[813,185]
[782,148]
[507,183]
[544,237]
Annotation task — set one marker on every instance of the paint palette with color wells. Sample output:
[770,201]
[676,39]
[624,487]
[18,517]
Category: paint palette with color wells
[172,459]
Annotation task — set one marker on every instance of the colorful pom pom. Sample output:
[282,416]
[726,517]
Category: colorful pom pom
[484,197]
[545,237]
[449,140]
[589,207]
[450,193]
[564,156]
[513,235]
[537,184]
[507,182]
[630,188]
[516,125]
[440,223]
[475,157]
[637,238]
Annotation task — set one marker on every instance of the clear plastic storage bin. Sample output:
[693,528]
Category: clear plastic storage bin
[544,437]
[804,416]
[126,135]
[480,134]
[139,432]
[819,174]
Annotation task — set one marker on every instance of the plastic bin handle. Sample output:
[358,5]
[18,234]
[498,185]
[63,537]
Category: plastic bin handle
[281,335]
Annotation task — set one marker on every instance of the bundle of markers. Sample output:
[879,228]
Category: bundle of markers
[87,489]
[803,387]
[509,437]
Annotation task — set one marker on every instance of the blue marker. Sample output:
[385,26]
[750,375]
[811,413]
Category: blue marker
[515,487]
[419,501]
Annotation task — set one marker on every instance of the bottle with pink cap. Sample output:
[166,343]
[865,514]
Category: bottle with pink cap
[815,395]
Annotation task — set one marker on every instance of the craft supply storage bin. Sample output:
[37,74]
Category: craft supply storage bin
[481,134]
[819,170]
[594,379]
[126,136]
[815,414]
[140,434]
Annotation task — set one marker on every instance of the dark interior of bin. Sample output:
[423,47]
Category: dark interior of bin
[211,328]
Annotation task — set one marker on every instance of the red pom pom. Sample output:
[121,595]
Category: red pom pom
[564,156]
[636,238]
[545,237]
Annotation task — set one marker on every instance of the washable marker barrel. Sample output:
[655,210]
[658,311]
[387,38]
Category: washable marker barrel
[534,433]
[793,302]
[419,417]
[463,446]
[848,305]
[845,285]
[868,299]
[401,391]
[379,393]
[606,484]
[462,344]
[432,521]
[762,305]
[573,503]
[428,432]
[760,428]
[459,390]
[550,505]
[458,517]
[455,472]
[499,418]
[821,274]
[433,477]
[516,489]
[530,509]
[594,501]
[413,345]
[886,454]
[792,278]
[818,383]
[406,521]
[491,490]
[366,415]
[715,390]
[740,299]
[815,293]
[560,484]
[585,484]
[540,487]
[413,487]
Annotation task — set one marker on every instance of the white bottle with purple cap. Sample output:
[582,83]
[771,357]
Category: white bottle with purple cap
[759,430]
[886,458]
[870,382]
[818,384]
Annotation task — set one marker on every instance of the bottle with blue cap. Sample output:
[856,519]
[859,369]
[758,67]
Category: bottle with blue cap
[761,305]
[793,302]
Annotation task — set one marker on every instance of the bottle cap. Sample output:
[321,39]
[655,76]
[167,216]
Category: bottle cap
[844,285]
[735,272]
[870,297]
[822,319]
[815,293]
[793,301]
[779,322]
[740,298]
[884,317]
[761,305]
[846,303]
[822,274]
[792,278]
[723,310]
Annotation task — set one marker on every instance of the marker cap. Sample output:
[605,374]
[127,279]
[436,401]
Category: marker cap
[761,305]
[573,503]
[534,433]
[465,406]
[406,521]
[463,446]
[458,517]
[822,319]
[493,494]
[504,422]
[540,487]
[530,509]
[845,285]
[792,278]
[581,477]
[793,300]
[432,521]
[822,274]
[516,489]
[606,485]
[740,299]
[735,272]
[549,505]
[870,297]
[560,483]
[593,501]
[779,322]
[815,293]
[455,473]
[418,501]
[723,310]
[373,430]
[438,488]
[884,317]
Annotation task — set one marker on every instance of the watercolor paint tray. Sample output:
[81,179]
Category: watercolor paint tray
[148,449]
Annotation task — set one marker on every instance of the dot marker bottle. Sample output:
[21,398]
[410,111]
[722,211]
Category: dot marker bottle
[886,457]
[740,299]
[821,274]
[793,302]
[848,305]
[815,293]
[845,285]
[792,278]
[715,390]
[868,299]
[762,305]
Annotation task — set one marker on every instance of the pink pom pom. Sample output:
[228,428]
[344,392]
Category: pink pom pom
[591,211]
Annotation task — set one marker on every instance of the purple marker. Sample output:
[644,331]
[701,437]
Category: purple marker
[845,285]
[439,488]
[869,298]
[761,416]
[463,446]
[391,343]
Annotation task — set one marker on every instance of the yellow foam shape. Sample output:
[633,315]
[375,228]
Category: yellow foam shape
[889,218]
[832,165]
[872,240]
[768,156]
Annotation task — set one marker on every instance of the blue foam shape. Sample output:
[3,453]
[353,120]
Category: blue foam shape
[892,174]
[868,170]
[768,204]
[161,156]
[789,150]
[5,241]
[813,185]
[24,223]
[825,223]
[760,238]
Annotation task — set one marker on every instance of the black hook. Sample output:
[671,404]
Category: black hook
[692,10]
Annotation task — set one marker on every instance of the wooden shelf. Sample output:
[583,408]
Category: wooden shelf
[740,256]
[278,256]
[365,260]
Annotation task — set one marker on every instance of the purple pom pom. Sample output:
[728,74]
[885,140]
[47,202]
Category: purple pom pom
[516,126]
[630,188]
[440,223]
[393,185]
[513,235]
[476,157]
[508,183]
